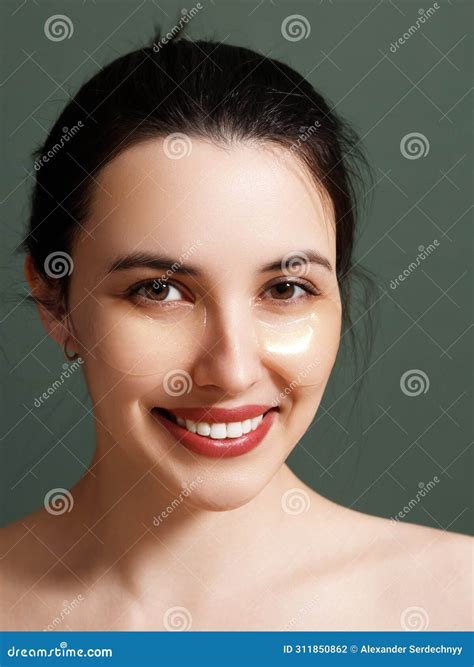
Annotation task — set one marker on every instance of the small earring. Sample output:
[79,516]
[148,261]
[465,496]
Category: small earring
[71,356]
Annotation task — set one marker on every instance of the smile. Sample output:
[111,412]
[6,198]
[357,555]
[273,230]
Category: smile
[218,432]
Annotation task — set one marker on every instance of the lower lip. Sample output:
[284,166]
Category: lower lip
[218,448]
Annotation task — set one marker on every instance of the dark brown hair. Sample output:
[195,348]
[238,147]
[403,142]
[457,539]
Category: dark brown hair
[202,89]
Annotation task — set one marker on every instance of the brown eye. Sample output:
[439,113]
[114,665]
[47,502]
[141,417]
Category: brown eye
[154,290]
[283,291]
[288,290]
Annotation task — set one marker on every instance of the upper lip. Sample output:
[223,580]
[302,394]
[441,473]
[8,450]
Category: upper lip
[213,415]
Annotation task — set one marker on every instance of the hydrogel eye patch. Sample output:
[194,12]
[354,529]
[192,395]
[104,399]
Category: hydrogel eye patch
[133,342]
[291,341]
[291,345]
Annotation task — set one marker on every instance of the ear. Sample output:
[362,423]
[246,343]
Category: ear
[49,303]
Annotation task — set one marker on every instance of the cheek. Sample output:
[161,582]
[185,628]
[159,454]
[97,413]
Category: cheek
[116,396]
[301,348]
[130,355]
[147,350]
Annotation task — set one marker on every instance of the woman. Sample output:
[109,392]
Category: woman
[191,242]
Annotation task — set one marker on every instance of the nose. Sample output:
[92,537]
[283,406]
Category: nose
[229,358]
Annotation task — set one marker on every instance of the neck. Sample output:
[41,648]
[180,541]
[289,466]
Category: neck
[145,527]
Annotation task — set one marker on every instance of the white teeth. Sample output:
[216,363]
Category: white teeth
[246,426]
[234,430]
[191,426]
[218,431]
[221,431]
[203,428]
[256,421]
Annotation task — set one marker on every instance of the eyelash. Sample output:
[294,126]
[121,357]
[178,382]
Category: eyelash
[310,290]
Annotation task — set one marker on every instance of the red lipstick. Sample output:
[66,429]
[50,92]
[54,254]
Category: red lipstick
[212,447]
[220,415]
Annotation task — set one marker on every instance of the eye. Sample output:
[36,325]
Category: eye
[157,290]
[287,290]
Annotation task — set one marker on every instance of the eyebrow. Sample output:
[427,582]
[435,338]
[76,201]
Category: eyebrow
[301,256]
[141,260]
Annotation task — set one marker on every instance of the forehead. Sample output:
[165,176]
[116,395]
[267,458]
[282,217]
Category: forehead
[253,198]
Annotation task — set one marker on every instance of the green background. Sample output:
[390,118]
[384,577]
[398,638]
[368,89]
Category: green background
[372,454]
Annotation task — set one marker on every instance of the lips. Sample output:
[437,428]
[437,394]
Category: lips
[213,415]
[215,419]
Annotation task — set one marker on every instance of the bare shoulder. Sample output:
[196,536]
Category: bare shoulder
[444,557]
[403,542]
[31,569]
[19,556]
[427,574]
[386,575]
[16,544]
[411,538]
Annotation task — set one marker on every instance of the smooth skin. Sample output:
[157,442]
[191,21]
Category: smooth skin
[233,554]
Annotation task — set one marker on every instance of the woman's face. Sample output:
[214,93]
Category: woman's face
[203,280]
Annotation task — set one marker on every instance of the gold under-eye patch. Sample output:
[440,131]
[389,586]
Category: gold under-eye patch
[290,344]
[160,339]
[135,342]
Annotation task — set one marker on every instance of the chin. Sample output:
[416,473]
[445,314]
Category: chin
[211,482]
[152,441]
[229,492]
